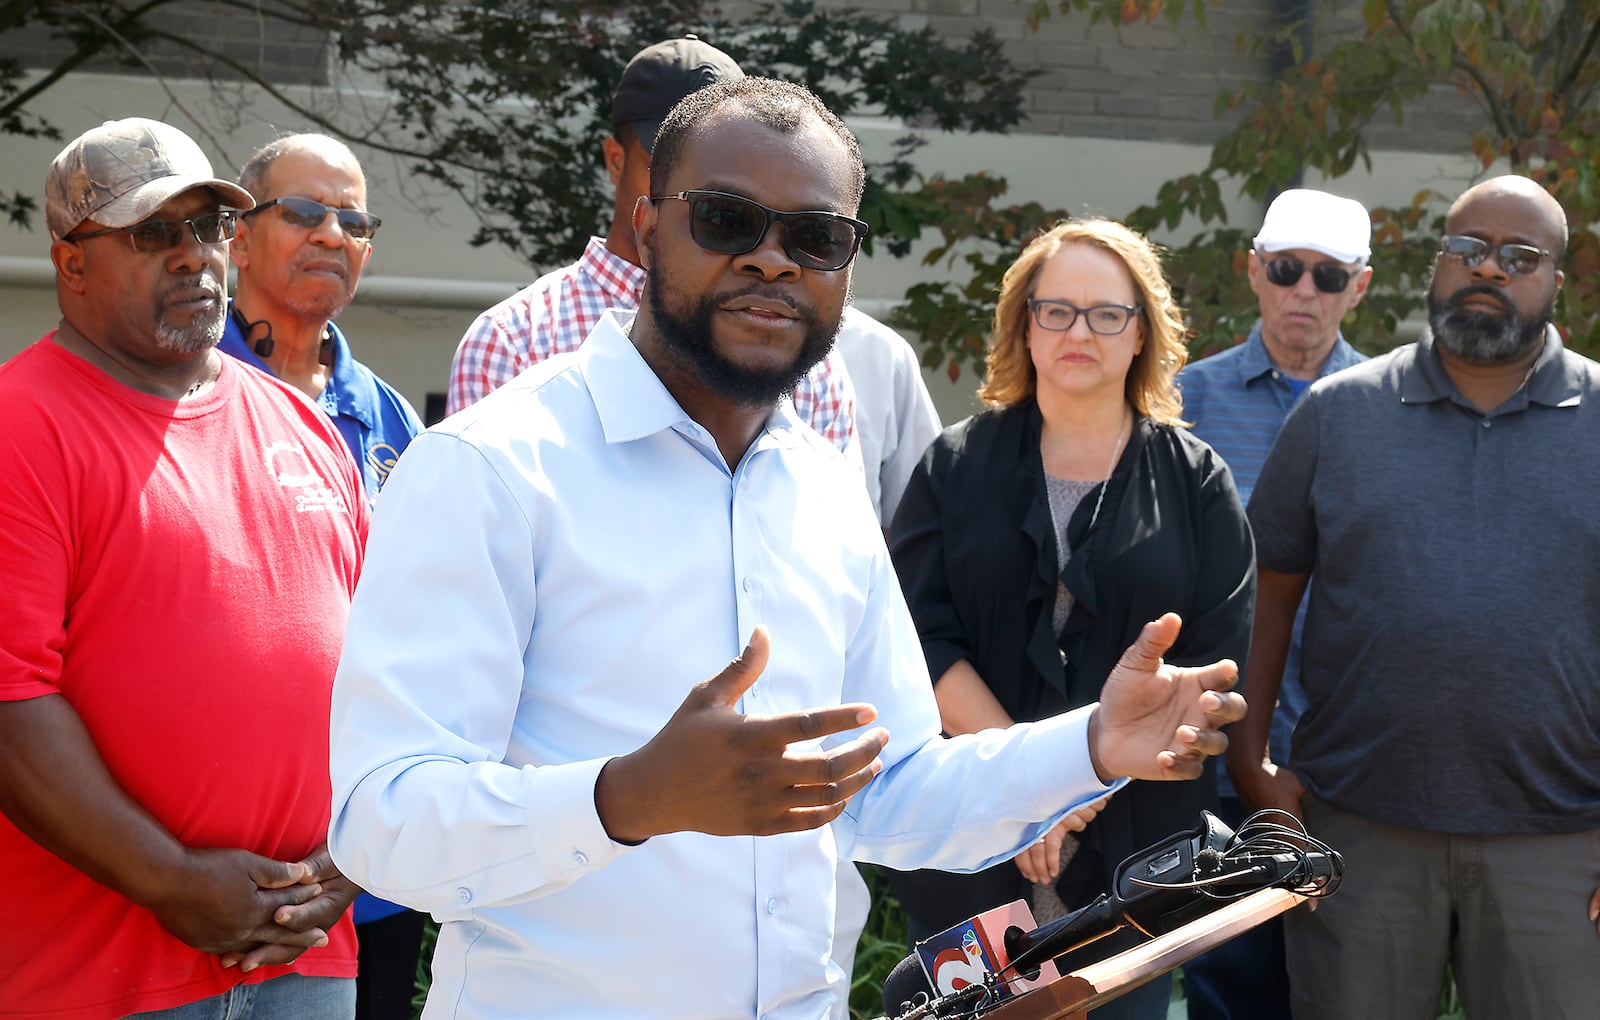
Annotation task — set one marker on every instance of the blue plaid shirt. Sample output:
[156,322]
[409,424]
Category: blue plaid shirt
[1238,400]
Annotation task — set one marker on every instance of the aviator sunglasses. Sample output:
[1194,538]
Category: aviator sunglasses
[162,235]
[303,212]
[1515,259]
[1328,277]
[733,225]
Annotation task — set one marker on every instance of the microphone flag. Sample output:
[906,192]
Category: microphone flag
[964,954]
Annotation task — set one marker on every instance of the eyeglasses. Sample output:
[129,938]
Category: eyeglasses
[1058,316]
[161,235]
[1515,259]
[1328,277]
[733,225]
[303,212]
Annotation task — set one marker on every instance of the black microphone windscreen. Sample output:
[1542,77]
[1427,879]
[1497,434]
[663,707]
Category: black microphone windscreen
[904,985]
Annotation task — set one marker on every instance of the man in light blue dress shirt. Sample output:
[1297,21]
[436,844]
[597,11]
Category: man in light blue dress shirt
[527,744]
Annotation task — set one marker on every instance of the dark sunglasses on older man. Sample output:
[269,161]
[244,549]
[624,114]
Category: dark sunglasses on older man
[1515,259]
[303,212]
[162,235]
[1327,277]
[733,225]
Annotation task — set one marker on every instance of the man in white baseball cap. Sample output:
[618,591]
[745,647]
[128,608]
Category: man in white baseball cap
[1308,270]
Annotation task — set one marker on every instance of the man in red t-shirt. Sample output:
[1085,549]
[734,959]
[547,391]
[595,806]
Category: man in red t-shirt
[179,539]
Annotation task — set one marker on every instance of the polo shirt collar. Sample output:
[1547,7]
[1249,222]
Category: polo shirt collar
[343,396]
[345,392]
[1254,361]
[1549,383]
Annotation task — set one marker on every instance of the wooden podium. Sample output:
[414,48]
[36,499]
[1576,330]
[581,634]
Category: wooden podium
[1071,996]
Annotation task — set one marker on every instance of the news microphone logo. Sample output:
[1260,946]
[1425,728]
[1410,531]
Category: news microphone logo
[968,953]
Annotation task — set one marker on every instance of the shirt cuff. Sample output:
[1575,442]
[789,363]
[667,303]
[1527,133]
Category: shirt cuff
[1064,755]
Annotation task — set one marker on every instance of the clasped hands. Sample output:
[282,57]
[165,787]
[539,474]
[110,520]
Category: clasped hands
[711,769]
[251,910]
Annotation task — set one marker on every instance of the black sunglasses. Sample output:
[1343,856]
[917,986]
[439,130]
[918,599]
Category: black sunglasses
[1058,316]
[1515,259]
[303,212]
[733,225]
[1328,277]
[161,235]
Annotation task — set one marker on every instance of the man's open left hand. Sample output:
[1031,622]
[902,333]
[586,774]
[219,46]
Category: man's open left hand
[1156,721]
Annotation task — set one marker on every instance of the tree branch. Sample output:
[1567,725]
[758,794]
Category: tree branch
[1497,113]
[88,50]
[1565,79]
[319,120]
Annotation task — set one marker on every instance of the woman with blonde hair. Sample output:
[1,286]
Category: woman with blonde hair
[1036,537]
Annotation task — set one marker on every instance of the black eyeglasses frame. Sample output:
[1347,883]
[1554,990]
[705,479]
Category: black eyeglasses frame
[170,234]
[1034,304]
[800,257]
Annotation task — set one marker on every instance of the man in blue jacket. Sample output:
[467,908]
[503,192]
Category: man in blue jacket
[299,255]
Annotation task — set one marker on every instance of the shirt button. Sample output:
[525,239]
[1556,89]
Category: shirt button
[580,858]
[464,894]
[749,585]
[1485,423]
[772,905]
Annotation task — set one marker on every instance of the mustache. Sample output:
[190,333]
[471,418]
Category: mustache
[185,287]
[765,292]
[1474,289]
[323,260]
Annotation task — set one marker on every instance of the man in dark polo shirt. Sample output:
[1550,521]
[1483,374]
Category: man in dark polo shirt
[1444,498]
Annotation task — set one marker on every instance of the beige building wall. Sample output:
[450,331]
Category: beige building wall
[1112,114]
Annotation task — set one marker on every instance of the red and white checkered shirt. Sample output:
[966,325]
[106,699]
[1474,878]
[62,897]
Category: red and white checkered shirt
[555,313]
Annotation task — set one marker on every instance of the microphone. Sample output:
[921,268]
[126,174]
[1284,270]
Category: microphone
[968,961]
[1140,895]
[1000,953]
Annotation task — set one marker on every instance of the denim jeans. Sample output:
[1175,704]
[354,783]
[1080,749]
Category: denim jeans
[290,997]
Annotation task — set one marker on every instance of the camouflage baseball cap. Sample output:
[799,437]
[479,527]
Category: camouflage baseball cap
[124,170]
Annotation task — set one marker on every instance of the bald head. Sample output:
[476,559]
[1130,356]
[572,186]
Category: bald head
[328,150]
[1545,217]
[301,251]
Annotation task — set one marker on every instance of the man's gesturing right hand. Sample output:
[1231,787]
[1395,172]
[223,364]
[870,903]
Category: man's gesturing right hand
[713,770]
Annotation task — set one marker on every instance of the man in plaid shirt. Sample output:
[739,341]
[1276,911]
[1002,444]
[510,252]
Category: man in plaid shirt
[555,313]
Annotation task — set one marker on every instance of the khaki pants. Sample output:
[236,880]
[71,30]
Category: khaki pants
[1508,913]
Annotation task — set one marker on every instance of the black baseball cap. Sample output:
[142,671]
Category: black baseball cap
[659,76]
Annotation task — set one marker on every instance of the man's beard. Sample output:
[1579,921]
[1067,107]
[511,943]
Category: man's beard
[689,337]
[201,333]
[1482,336]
